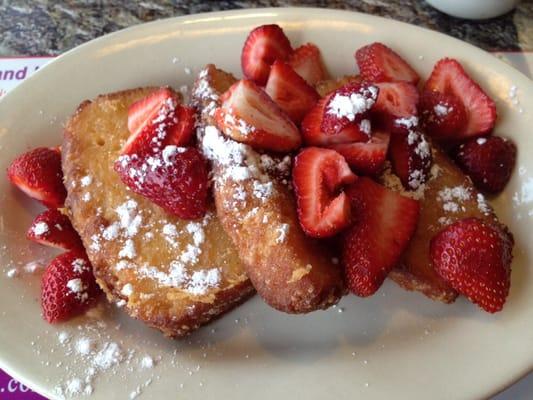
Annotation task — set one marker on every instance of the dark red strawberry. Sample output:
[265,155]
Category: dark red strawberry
[307,63]
[366,158]
[68,287]
[174,179]
[290,91]
[156,121]
[384,224]
[249,115]
[38,174]
[264,45]
[53,228]
[396,100]
[442,116]
[489,162]
[475,259]
[449,77]
[318,176]
[411,158]
[379,63]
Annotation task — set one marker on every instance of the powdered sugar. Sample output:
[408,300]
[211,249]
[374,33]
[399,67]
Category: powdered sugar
[282,232]
[481,140]
[441,110]
[170,151]
[40,228]
[236,123]
[365,126]
[451,198]
[201,281]
[128,250]
[86,181]
[262,191]
[350,106]
[129,217]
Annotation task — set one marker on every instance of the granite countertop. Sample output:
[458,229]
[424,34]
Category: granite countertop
[42,27]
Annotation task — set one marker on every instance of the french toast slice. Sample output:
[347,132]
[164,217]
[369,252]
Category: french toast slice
[174,275]
[292,272]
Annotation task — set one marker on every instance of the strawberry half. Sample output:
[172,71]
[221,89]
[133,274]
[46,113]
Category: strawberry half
[442,115]
[290,91]
[475,259]
[449,77]
[385,221]
[248,115]
[68,287]
[411,158]
[38,174]
[489,162]
[53,228]
[366,158]
[396,100]
[318,176]
[307,62]
[158,120]
[379,63]
[264,45]
[174,179]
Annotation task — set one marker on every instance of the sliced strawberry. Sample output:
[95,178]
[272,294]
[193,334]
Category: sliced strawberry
[249,115]
[366,158]
[68,287]
[38,173]
[158,120]
[442,116]
[264,45]
[411,158]
[396,100]
[385,221]
[174,179]
[379,63]
[475,259]
[449,77]
[290,91]
[314,135]
[318,176]
[307,62]
[53,228]
[489,162]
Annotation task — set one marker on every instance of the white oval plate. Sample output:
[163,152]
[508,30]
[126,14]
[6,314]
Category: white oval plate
[393,345]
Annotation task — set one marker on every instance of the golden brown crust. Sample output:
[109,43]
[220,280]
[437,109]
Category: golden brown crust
[327,86]
[92,140]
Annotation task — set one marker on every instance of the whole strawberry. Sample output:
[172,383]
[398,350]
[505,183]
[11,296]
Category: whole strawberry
[489,162]
[68,287]
[475,259]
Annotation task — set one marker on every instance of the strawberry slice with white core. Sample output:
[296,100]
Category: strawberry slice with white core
[365,158]
[248,115]
[318,176]
[290,91]
[53,228]
[307,63]
[449,77]
[395,100]
[379,63]
[264,45]
[385,221]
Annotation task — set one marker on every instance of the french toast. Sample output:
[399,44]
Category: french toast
[173,274]
[292,272]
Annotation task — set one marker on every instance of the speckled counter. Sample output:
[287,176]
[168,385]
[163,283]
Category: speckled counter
[51,27]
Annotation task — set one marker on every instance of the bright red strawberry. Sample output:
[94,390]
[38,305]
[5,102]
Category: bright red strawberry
[68,287]
[396,100]
[158,120]
[411,158]
[379,63]
[365,158]
[314,134]
[290,91]
[475,259]
[249,115]
[318,176]
[449,77]
[489,162]
[307,62]
[384,224]
[442,115]
[38,174]
[264,45]
[53,228]
[174,179]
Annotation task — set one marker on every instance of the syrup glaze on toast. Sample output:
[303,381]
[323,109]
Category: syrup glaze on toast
[173,274]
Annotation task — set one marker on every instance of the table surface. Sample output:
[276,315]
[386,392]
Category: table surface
[41,27]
